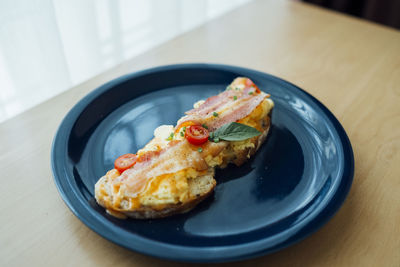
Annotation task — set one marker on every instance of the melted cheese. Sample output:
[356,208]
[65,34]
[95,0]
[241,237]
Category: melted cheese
[258,114]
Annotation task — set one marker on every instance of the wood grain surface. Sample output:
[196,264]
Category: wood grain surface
[350,65]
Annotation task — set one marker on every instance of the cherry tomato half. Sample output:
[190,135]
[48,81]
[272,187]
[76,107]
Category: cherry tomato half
[185,124]
[250,83]
[124,162]
[196,135]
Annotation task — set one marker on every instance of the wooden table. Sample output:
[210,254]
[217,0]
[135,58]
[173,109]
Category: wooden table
[352,66]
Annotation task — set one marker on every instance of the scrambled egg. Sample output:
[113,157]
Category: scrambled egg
[169,189]
[163,190]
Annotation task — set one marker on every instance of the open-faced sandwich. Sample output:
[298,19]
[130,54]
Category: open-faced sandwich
[175,170]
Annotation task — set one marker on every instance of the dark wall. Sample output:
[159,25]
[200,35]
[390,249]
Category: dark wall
[386,12]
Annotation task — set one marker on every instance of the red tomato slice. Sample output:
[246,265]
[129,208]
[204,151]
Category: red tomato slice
[196,135]
[124,162]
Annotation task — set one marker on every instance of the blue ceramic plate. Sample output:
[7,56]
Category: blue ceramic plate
[296,181]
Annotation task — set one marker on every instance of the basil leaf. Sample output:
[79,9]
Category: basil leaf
[234,131]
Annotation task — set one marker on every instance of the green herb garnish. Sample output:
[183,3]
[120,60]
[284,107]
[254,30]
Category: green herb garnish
[215,114]
[182,134]
[200,149]
[234,131]
[204,126]
[170,137]
[234,97]
[250,93]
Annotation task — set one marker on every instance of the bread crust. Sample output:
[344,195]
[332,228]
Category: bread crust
[242,157]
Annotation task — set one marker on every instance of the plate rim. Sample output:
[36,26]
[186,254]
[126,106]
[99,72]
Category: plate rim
[307,227]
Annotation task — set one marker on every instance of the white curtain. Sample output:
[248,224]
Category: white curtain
[48,46]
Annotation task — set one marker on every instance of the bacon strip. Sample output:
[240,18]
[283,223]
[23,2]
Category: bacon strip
[211,103]
[216,102]
[229,110]
[237,112]
[174,158]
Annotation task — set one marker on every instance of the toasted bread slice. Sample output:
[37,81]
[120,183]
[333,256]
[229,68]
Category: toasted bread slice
[199,188]
[176,175]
